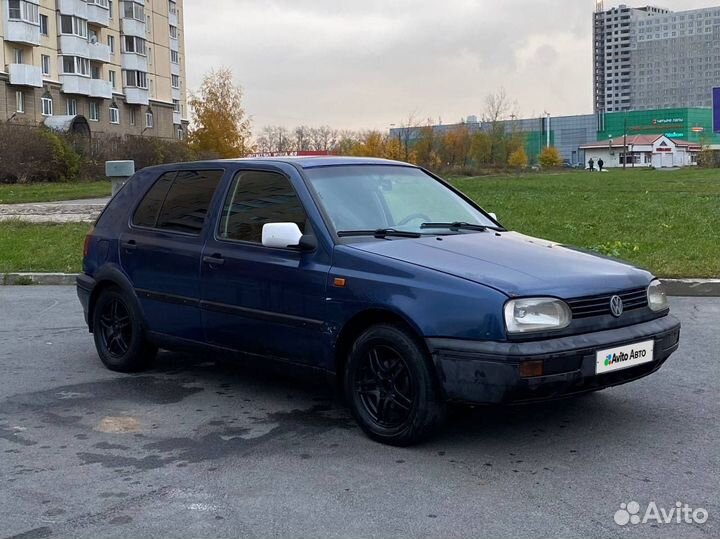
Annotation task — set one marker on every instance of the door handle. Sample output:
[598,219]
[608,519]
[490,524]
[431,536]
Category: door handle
[129,245]
[215,260]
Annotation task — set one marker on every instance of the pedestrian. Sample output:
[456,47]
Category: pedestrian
[592,165]
[601,164]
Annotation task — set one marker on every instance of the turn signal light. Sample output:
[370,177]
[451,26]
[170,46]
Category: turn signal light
[531,369]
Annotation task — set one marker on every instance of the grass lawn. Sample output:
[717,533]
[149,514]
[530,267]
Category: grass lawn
[41,247]
[667,221]
[51,192]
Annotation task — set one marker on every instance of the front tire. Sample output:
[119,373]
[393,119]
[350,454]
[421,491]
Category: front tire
[391,387]
[118,333]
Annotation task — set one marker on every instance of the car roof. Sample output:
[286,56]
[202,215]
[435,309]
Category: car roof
[301,161]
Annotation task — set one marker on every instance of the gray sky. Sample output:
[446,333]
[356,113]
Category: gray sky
[369,63]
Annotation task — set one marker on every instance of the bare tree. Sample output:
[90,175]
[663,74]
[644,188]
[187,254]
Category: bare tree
[323,139]
[303,140]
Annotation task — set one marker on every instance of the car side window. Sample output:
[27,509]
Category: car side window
[147,212]
[255,199]
[179,201]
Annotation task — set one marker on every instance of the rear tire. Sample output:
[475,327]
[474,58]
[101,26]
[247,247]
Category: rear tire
[391,387]
[119,334]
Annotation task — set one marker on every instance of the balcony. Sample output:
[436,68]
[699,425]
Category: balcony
[173,18]
[99,52]
[25,75]
[137,96]
[22,32]
[132,27]
[174,68]
[98,14]
[133,61]
[78,8]
[71,45]
[177,118]
[174,44]
[176,93]
[75,84]
[100,88]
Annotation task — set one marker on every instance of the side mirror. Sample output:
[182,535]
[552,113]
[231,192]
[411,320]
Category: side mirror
[281,235]
[493,215]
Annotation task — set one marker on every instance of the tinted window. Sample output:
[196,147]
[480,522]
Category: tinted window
[188,201]
[148,210]
[257,198]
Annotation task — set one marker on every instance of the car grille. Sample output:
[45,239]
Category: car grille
[600,305]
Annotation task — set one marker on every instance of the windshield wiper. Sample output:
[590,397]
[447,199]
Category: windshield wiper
[455,226]
[379,233]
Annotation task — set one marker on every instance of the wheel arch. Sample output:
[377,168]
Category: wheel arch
[111,277]
[361,321]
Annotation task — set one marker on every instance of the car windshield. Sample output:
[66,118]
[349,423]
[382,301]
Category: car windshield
[369,198]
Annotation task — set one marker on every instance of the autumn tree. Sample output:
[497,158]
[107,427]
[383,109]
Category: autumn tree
[220,126]
[550,158]
[518,159]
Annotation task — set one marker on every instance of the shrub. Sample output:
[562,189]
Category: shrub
[518,159]
[550,158]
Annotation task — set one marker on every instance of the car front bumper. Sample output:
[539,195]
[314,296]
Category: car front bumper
[489,372]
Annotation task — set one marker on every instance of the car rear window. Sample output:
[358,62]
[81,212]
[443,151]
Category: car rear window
[179,201]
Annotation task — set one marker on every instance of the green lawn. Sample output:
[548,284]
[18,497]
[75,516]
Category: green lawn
[667,221]
[51,192]
[41,247]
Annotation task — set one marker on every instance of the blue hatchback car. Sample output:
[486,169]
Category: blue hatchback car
[375,271]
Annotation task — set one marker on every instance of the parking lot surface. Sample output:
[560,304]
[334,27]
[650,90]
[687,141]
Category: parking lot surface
[198,448]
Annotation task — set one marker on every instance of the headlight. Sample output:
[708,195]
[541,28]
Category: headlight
[536,314]
[657,300]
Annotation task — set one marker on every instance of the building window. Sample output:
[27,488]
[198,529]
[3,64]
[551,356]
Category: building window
[44,25]
[132,116]
[111,78]
[46,105]
[175,81]
[19,102]
[149,120]
[94,111]
[176,105]
[172,7]
[111,44]
[134,45]
[173,31]
[114,114]
[180,133]
[45,63]
[22,10]
[95,73]
[18,56]
[134,11]
[75,26]
[71,107]
[110,7]
[135,79]
[74,65]
[174,57]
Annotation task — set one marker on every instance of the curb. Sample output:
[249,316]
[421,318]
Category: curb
[44,279]
[708,288]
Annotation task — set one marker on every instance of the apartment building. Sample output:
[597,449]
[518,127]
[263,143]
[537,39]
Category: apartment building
[652,58]
[119,64]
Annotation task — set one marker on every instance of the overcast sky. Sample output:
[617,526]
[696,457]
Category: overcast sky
[363,64]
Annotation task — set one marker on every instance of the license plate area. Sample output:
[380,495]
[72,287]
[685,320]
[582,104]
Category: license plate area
[624,357]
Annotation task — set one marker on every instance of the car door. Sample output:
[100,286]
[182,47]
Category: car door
[260,300]
[161,250]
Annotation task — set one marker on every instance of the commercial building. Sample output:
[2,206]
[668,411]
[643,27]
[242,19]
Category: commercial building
[119,64]
[652,58]
[656,151]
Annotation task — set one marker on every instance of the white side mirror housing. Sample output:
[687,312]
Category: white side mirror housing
[493,215]
[281,235]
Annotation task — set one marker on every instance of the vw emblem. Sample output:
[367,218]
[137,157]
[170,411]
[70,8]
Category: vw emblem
[616,306]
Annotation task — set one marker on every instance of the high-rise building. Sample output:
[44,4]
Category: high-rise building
[652,58]
[120,64]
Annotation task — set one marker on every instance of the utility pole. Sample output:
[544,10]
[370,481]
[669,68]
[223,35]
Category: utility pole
[625,147]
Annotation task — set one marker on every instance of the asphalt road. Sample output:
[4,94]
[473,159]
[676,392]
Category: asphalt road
[198,449]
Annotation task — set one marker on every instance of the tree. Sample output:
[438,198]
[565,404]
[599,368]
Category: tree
[220,126]
[518,159]
[550,158]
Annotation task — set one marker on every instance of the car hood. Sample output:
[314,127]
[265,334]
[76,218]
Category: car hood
[515,264]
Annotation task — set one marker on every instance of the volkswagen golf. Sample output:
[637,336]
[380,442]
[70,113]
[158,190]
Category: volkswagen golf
[374,271]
